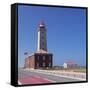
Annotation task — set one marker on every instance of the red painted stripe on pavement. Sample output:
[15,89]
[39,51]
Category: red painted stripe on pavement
[33,80]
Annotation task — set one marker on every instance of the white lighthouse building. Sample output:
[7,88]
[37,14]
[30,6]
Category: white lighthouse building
[42,40]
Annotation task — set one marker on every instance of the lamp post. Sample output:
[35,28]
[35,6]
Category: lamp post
[25,54]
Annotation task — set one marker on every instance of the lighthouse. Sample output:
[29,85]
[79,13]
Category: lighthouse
[42,38]
[41,59]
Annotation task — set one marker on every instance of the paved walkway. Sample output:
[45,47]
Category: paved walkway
[69,74]
[26,76]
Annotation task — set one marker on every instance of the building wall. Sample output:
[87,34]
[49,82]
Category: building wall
[43,41]
[39,61]
[71,65]
[65,65]
[43,60]
[29,62]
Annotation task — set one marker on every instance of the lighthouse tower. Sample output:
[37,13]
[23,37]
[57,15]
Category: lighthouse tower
[42,40]
[41,58]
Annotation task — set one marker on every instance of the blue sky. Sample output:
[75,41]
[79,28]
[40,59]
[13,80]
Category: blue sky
[66,32]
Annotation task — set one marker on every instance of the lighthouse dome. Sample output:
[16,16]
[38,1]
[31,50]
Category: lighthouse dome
[41,24]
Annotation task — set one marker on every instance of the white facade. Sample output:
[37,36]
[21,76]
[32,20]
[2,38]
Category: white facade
[38,41]
[65,65]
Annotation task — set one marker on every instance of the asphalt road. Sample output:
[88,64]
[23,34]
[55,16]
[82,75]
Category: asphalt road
[32,77]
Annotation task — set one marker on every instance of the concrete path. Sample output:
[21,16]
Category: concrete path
[37,77]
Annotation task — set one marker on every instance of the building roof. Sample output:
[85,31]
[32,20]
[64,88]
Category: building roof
[41,51]
[71,62]
[38,52]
